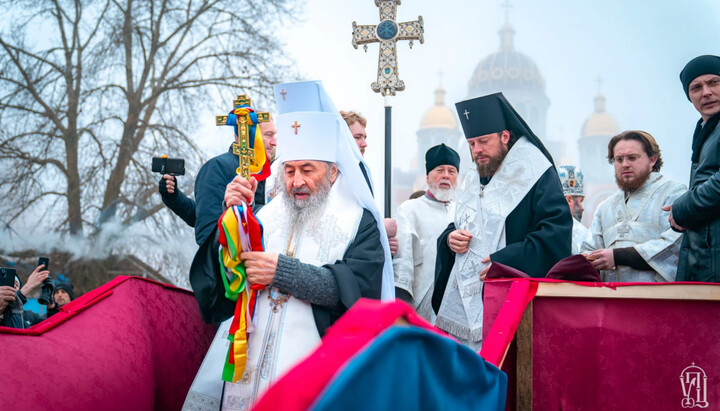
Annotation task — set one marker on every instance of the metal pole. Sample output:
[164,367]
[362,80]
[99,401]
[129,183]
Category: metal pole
[388,155]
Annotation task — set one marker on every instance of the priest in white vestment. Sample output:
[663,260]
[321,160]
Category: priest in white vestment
[324,250]
[630,237]
[510,209]
[571,179]
[419,223]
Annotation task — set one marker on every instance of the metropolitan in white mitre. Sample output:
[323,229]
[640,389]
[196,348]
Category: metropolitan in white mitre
[419,224]
[571,179]
[630,237]
[324,250]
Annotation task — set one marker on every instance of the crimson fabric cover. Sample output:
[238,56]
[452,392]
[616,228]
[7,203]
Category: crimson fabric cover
[614,353]
[299,388]
[574,268]
[132,344]
[498,270]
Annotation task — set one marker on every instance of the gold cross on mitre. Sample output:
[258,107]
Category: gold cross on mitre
[387,33]
[242,147]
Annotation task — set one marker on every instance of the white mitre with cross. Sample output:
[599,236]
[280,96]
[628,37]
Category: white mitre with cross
[308,135]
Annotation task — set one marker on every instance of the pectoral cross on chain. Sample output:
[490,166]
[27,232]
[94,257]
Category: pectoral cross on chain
[242,147]
[387,33]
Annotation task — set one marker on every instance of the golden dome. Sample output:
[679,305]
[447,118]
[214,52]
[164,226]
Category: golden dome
[600,123]
[439,115]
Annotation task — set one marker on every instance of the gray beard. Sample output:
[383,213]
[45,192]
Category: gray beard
[442,194]
[304,211]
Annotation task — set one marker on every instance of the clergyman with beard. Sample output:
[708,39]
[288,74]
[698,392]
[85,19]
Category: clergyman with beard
[322,253]
[571,179]
[419,223]
[511,211]
[630,236]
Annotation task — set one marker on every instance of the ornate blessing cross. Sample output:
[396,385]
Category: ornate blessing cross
[242,147]
[387,33]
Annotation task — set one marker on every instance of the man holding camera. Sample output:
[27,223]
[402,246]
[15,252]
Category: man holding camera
[62,295]
[11,301]
[8,301]
[225,165]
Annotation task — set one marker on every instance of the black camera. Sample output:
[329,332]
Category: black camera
[7,277]
[165,165]
[46,292]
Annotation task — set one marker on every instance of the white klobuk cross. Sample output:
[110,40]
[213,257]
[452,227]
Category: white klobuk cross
[387,33]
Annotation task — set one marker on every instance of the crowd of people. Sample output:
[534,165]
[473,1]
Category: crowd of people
[13,299]
[326,245]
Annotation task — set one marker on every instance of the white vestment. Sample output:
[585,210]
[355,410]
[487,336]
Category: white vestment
[580,234]
[420,222]
[284,328]
[482,211]
[638,221]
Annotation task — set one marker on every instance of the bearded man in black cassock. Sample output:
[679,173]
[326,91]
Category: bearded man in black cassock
[512,211]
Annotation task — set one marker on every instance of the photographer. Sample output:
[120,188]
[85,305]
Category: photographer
[11,306]
[62,295]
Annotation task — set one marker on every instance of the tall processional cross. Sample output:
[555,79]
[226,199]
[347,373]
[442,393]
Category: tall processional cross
[387,33]
[242,148]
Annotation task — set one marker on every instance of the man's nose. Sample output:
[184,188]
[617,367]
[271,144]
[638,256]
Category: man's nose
[363,144]
[706,90]
[298,181]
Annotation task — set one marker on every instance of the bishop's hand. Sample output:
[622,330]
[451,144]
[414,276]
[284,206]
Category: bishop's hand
[459,240]
[260,266]
[240,190]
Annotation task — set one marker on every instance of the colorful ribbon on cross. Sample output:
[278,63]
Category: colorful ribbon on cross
[241,231]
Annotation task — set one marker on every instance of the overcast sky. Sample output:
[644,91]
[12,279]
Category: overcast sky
[637,47]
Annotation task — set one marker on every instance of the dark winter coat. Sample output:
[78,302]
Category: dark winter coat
[698,210]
